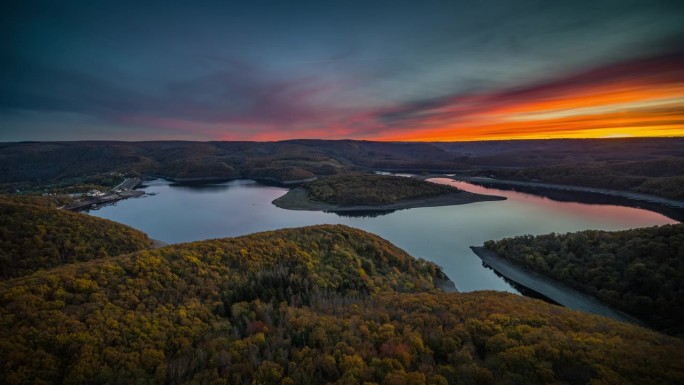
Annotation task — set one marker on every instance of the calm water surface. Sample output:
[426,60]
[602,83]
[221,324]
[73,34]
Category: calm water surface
[439,234]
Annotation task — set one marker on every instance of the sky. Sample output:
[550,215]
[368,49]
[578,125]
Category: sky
[371,70]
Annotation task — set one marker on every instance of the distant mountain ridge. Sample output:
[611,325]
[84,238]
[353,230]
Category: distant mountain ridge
[626,164]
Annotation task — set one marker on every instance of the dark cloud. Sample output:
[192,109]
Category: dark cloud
[238,93]
[664,69]
[292,66]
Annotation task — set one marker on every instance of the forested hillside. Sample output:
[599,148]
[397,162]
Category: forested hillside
[371,189]
[639,271]
[651,165]
[34,235]
[315,305]
[663,177]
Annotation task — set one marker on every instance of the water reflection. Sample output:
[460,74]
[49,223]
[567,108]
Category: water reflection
[587,205]
[208,186]
[361,213]
[439,234]
[584,197]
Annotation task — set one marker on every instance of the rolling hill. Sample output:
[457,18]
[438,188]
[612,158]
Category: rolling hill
[34,235]
[314,305]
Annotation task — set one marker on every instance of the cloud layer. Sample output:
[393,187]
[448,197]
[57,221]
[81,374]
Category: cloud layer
[406,71]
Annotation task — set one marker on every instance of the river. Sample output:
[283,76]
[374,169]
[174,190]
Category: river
[178,213]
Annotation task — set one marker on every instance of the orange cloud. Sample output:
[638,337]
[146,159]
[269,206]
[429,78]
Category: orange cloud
[643,97]
[640,98]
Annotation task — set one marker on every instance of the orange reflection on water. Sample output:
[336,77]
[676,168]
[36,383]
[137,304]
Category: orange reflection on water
[619,215]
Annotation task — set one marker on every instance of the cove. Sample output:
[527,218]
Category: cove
[185,213]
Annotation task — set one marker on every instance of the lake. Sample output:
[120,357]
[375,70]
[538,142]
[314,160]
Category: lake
[443,235]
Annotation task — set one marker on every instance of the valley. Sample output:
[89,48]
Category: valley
[250,290]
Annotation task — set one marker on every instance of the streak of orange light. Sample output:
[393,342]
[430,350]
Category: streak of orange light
[618,109]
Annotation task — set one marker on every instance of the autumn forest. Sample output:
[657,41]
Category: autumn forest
[314,305]
[85,300]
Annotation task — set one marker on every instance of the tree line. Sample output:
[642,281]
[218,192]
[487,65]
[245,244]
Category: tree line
[639,271]
[663,177]
[371,189]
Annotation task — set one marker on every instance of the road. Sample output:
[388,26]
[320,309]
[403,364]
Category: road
[127,184]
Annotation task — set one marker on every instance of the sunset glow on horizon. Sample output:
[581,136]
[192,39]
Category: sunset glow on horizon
[444,71]
[648,113]
[618,104]
[644,100]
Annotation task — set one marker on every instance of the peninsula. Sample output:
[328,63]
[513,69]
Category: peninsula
[371,192]
[640,278]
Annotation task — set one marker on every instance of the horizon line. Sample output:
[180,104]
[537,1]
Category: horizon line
[347,140]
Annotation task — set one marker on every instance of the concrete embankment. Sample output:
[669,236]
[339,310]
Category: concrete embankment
[550,288]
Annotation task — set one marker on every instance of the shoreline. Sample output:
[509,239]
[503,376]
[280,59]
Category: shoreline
[123,190]
[617,193]
[298,199]
[213,180]
[156,243]
[103,200]
[445,284]
[550,288]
